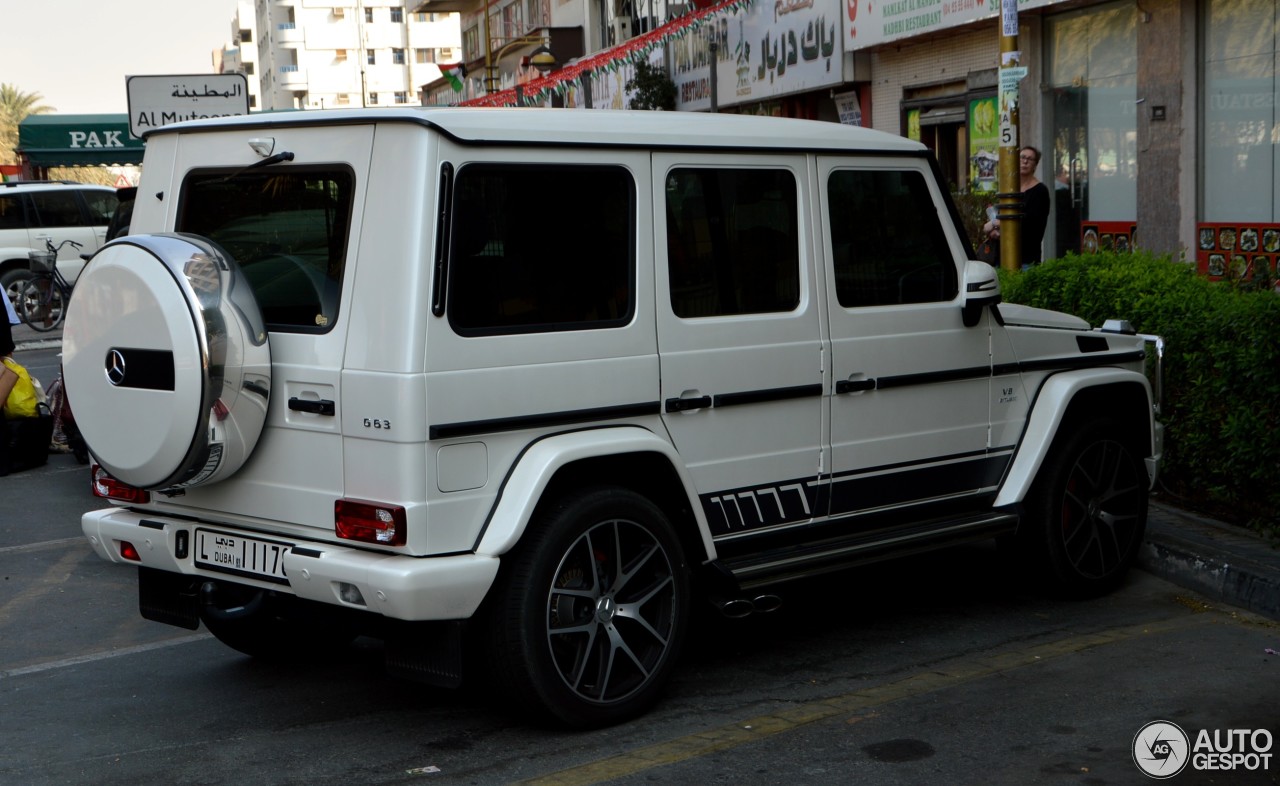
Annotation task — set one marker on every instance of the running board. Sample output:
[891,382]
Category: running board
[808,559]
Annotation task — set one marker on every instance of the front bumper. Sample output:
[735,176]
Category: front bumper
[396,586]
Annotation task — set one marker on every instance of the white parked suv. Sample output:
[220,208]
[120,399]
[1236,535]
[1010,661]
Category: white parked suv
[515,388]
[35,209]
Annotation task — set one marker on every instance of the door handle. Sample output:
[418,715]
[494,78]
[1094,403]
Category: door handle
[854,385]
[316,407]
[685,404]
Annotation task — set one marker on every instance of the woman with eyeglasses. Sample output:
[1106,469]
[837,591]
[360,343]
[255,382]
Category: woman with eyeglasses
[1035,207]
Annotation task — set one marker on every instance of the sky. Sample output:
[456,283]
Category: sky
[77,53]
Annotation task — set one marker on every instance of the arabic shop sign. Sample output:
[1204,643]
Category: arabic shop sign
[772,48]
[871,22]
[156,101]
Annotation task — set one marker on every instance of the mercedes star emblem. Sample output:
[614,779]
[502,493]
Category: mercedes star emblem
[115,367]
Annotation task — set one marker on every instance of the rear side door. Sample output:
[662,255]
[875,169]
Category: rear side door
[911,385]
[739,337]
[60,216]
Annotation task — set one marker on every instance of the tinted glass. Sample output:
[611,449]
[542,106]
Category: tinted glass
[888,245]
[57,209]
[732,243]
[520,260]
[11,213]
[288,232]
[101,204]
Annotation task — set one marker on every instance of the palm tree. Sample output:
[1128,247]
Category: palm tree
[15,105]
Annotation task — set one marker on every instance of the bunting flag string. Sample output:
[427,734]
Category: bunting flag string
[627,53]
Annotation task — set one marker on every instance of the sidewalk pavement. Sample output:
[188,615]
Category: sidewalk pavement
[26,338]
[1221,561]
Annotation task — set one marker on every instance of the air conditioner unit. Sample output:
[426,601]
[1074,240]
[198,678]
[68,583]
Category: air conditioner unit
[339,13]
[621,29]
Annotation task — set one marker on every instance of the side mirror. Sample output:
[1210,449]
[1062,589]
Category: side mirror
[981,289]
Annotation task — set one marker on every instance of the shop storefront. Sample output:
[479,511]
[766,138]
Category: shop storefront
[1091,157]
[1239,227]
[46,141]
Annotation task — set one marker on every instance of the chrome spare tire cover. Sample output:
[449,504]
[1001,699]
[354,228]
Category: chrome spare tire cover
[166,362]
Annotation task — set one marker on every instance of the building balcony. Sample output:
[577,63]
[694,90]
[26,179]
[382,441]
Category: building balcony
[290,77]
[289,35]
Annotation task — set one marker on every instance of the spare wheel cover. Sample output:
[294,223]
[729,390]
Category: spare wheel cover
[166,361]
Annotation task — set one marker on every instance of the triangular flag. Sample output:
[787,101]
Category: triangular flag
[454,74]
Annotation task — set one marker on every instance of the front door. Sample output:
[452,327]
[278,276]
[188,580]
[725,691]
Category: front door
[911,384]
[739,337]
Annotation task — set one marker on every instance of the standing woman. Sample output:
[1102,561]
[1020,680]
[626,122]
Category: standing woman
[8,377]
[1035,208]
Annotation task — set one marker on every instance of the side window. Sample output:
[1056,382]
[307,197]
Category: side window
[11,212]
[288,232]
[732,241]
[514,269]
[101,204]
[57,209]
[888,245]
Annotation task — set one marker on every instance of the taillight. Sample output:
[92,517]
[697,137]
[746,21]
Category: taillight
[109,488]
[370,522]
[128,551]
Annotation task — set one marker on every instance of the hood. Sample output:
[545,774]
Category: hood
[1013,314]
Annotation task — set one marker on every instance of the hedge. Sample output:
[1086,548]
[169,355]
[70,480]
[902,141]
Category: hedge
[1221,370]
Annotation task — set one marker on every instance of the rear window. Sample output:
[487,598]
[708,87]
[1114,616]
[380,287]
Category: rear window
[287,230]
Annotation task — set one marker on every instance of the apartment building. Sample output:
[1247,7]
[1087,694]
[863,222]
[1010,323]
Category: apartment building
[240,56]
[318,54]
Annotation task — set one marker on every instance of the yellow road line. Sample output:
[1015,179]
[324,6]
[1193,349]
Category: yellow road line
[762,726]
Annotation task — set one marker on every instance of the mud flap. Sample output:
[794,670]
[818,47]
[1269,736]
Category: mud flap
[427,652]
[170,598]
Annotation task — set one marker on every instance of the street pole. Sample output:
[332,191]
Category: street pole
[714,46]
[1009,182]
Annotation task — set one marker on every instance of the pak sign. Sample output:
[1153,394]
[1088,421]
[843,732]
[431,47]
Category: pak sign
[156,101]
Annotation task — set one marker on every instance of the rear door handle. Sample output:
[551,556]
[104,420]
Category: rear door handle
[854,385]
[315,406]
[684,404]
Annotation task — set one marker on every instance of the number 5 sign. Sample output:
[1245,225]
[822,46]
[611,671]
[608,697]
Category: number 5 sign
[1007,137]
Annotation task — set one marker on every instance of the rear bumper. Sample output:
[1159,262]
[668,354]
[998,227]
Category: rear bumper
[400,587]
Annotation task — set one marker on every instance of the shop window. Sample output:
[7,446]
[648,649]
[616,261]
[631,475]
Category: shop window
[1241,121]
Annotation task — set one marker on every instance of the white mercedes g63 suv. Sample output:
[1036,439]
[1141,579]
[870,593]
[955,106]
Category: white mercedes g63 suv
[533,381]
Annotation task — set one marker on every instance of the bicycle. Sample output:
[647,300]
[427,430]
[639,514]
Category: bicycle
[42,300]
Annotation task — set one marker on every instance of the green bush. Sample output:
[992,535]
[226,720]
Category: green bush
[1221,371]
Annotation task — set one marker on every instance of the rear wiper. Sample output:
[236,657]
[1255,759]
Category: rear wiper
[283,155]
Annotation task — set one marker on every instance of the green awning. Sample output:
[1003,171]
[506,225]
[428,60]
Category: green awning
[78,140]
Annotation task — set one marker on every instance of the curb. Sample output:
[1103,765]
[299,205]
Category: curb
[1222,562]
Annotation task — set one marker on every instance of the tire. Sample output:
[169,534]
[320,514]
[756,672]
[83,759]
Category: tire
[270,627]
[590,613]
[40,304]
[1087,511]
[12,280]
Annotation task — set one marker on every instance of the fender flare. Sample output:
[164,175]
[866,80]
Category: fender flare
[15,254]
[1050,407]
[537,465]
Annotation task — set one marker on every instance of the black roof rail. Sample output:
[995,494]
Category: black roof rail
[16,183]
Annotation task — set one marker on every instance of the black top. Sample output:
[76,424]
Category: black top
[1035,210]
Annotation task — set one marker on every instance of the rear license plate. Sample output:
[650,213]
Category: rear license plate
[261,559]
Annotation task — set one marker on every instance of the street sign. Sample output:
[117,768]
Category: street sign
[156,101]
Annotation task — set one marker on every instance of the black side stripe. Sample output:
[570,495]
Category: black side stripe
[1064,364]
[543,420]
[980,372]
[772,394]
